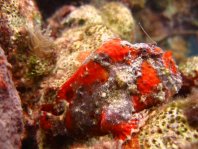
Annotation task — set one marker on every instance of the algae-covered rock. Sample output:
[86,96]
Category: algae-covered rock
[29,10]
[33,59]
[84,15]
[119,19]
[14,17]
[189,72]
[114,15]
[22,37]
[189,68]
[89,37]
[10,22]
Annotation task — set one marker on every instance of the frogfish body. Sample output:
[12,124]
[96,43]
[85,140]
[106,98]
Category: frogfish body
[113,87]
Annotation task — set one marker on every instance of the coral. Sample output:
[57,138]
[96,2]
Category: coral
[14,16]
[84,15]
[11,119]
[9,22]
[87,38]
[11,12]
[122,23]
[189,71]
[189,68]
[169,126]
[20,39]
[111,89]
[29,10]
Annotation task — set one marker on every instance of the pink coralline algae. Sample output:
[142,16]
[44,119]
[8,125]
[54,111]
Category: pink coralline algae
[112,89]
[11,116]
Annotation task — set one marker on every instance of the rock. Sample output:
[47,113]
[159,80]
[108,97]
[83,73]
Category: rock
[11,120]
[27,47]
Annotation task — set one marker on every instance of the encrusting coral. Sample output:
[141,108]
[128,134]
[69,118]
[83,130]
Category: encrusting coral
[170,126]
